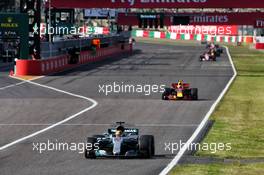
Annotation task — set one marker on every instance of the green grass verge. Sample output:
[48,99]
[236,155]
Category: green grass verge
[219,169]
[239,118]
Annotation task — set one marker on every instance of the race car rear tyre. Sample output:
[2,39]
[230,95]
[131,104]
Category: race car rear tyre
[146,146]
[152,145]
[194,93]
[90,154]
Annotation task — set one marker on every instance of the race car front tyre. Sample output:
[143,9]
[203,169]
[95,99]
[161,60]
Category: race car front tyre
[146,146]
[194,94]
[164,96]
[166,93]
[90,154]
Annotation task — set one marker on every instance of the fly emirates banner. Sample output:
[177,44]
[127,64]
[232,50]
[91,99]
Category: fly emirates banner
[158,4]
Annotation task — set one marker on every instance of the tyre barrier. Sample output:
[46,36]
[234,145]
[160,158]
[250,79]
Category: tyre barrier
[60,63]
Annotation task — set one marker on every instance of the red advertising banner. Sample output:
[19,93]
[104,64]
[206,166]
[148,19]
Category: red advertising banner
[226,18]
[158,4]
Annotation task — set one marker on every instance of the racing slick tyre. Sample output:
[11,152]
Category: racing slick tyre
[166,93]
[90,154]
[194,94]
[164,96]
[146,146]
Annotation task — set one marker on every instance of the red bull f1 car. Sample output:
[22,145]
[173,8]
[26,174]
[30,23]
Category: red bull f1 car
[180,91]
[121,142]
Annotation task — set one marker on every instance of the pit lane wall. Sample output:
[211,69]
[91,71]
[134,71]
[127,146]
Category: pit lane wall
[195,37]
[61,63]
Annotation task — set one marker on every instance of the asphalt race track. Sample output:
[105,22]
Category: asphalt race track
[28,108]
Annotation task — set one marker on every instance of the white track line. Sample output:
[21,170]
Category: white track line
[176,159]
[17,84]
[56,124]
[12,85]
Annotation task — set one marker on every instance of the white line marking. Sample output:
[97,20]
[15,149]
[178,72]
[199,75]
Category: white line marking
[58,123]
[176,159]
[12,85]
[17,84]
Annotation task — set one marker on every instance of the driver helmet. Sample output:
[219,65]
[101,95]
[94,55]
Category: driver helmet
[180,84]
[118,133]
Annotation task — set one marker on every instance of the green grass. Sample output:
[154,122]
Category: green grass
[219,169]
[239,118]
[248,62]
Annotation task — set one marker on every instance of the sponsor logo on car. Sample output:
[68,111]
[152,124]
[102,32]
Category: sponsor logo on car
[126,130]
[130,130]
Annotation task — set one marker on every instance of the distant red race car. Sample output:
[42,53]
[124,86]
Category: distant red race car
[180,91]
[209,56]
